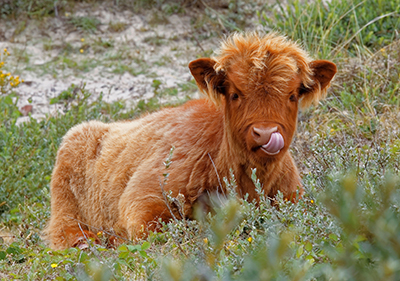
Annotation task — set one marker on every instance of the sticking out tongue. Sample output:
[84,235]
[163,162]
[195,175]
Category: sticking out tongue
[274,145]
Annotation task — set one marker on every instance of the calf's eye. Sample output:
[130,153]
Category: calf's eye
[234,96]
[293,98]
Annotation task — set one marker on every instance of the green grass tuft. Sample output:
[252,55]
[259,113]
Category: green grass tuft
[338,27]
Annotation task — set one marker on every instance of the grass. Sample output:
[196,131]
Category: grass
[348,150]
[117,26]
[337,27]
[85,23]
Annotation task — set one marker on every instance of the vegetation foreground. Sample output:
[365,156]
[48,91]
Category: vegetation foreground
[347,226]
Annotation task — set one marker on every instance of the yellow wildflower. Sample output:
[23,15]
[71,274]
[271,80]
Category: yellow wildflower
[54,265]
[81,50]
[332,130]
[312,201]
[250,239]
[205,240]
[82,39]
[100,233]
[5,50]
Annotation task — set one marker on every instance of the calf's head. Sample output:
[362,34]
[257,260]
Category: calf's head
[261,82]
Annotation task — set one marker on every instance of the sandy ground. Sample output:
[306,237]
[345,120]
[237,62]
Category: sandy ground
[161,50]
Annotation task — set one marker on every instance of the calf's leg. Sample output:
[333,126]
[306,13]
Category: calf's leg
[143,204]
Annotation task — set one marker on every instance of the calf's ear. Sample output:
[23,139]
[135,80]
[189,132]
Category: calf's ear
[207,79]
[323,73]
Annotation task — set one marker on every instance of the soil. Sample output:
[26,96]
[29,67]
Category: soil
[126,57]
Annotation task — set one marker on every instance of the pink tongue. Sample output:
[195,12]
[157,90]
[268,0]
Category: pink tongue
[275,143]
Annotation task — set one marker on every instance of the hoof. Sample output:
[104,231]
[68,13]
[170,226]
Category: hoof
[81,242]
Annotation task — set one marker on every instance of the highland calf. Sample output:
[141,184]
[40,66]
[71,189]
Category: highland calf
[107,176]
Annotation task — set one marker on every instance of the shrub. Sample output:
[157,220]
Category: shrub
[7,80]
[32,8]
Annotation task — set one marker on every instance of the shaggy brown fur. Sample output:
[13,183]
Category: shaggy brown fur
[107,176]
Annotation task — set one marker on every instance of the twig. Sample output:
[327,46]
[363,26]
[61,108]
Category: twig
[198,43]
[166,200]
[219,180]
[169,208]
[94,251]
[55,9]
[100,229]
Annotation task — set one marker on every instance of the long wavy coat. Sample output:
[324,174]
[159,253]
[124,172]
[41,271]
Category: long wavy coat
[109,176]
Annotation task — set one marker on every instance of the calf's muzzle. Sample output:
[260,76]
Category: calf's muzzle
[268,139]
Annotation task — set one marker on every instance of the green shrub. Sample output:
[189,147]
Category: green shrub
[32,8]
[7,80]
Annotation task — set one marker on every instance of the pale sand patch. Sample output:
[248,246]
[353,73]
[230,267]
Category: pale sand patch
[164,60]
